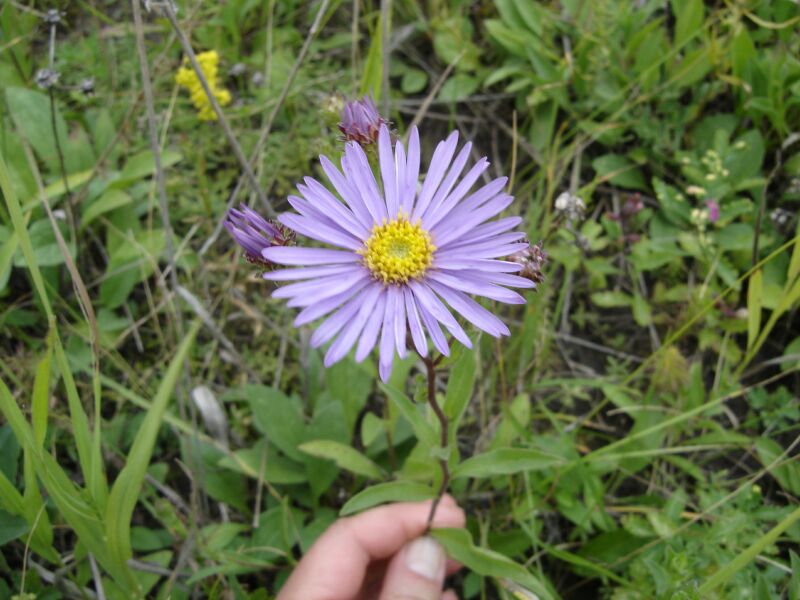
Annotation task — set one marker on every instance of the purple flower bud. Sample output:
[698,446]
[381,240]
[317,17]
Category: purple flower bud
[254,233]
[713,211]
[633,205]
[532,259]
[361,121]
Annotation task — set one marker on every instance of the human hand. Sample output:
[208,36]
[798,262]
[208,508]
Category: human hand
[378,554]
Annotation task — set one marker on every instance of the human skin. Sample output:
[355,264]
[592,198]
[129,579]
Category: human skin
[381,554]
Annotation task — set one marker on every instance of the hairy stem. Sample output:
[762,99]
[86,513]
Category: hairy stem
[430,364]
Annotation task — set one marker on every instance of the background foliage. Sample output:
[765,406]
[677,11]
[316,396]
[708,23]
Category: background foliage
[164,429]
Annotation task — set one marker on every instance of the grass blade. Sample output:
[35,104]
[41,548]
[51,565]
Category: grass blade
[125,491]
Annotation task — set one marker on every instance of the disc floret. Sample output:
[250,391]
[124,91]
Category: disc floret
[398,250]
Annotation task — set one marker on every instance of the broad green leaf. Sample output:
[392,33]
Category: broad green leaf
[788,473]
[688,19]
[754,295]
[458,87]
[506,461]
[30,111]
[11,527]
[143,165]
[422,429]
[642,312]
[459,389]
[277,416]
[485,562]
[112,198]
[345,456]
[125,491]
[392,491]
[619,170]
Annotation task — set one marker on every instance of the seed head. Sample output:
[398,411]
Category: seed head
[533,260]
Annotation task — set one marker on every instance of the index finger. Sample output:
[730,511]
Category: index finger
[336,565]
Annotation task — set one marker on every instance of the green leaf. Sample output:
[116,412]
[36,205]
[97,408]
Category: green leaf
[754,295]
[611,299]
[620,171]
[689,18]
[422,429]
[278,417]
[459,389]
[459,87]
[372,80]
[392,491]
[788,473]
[125,491]
[11,527]
[506,461]
[642,312]
[345,456]
[741,560]
[143,165]
[30,111]
[111,199]
[485,562]
[414,81]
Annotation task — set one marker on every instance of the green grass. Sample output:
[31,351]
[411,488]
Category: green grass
[636,436]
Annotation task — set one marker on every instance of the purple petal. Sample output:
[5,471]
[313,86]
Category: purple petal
[432,325]
[479,288]
[432,217]
[316,192]
[399,321]
[487,230]
[318,231]
[293,255]
[497,278]
[477,251]
[427,299]
[307,272]
[414,324]
[350,195]
[334,323]
[477,216]
[450,180]
[371,329]
[321,287]
[473,201]
[387,338]
[480,264]
[326,291]
[412,172]
[352,329]
[322,307]
[388,172]
[438,165]
[471,310]
[498,240]
[359,174]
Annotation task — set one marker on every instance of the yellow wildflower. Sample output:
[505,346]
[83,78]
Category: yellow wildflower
[187,78]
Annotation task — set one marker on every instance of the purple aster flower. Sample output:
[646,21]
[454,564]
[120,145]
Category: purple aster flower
[254,233]
[404,258]
[361,121]
[713,211]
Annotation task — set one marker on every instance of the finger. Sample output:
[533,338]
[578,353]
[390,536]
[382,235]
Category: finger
[416,572]
[449,595]
[336,564]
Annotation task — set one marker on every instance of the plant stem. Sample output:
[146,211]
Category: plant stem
[430,364]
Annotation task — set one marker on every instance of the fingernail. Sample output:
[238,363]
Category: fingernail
[425,557]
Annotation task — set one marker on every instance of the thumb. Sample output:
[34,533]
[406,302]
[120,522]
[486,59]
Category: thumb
[416,572]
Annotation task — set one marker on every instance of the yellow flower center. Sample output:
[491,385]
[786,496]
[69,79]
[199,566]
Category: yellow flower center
[398,250]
